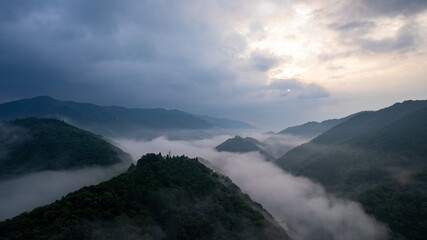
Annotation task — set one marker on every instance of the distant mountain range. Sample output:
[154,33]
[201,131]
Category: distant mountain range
[313,129]
[113,121]
[159,198]
[377,158]
[226,123]
[271,148]
[32,145]
[243,145]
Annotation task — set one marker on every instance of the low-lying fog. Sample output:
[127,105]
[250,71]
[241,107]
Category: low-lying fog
[37,189]
[299,205]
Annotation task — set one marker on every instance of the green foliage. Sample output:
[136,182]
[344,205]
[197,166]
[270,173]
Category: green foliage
[159,198]
[49,144]
[402,206]
[237,144]
[421,175]
[374,158]
[242,145]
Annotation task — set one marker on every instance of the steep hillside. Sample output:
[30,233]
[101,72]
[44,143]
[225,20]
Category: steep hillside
[367,122]
[377,158]
[159,198]
[32,145]
[113,121]
[313,129]
[226,123]
[243,145]
[108,121]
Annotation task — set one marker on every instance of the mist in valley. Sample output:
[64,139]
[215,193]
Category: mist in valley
[10,135]
[279,144]
[37,189]
[302,207]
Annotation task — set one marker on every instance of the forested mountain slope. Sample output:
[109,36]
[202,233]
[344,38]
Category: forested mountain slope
[243,145]
[33,144]
[377,158]
[313,129]
[114,121]
[106,120]
[159,198]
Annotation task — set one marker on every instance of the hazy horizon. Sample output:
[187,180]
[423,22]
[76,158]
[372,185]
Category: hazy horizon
[270,63]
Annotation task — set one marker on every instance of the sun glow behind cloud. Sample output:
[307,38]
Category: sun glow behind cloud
[342,54]
[234,59]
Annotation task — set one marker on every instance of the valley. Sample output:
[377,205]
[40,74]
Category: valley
[376,163]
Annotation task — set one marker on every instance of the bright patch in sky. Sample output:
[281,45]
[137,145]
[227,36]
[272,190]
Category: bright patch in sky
[273,63]
[339,53]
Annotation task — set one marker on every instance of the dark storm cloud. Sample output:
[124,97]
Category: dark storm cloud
[359,34]
[405,39]
[313,90]
[285,84]
[353,26]
[395,7]
[303,90]
[262,62]
[142,52]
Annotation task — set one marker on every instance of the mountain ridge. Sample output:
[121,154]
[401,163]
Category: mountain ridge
[226,123]
[32,145]
[158,198]
[111,121]
[313,129]
[376,158]
[243,145]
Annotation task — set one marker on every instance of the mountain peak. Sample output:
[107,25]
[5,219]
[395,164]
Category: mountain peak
[239,144]
[48,144]
[376,158]
[159,198]
[44,97]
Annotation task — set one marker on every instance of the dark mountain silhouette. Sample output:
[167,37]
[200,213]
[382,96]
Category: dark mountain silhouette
[226,123]
[32,145]
[313,129]
[113,121]
[269,133]
[243,145]
[108,121]
[159,198]
[377,158]
[255,141]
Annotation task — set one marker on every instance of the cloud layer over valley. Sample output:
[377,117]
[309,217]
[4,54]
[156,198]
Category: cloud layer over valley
[37,189]
[300,205]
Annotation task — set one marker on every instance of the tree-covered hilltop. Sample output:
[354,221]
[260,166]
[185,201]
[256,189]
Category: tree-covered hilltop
[33,144]
[243,145]
[313,129]
[377,158]
[159,198]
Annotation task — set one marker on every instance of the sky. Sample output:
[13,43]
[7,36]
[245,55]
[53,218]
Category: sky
[270,63]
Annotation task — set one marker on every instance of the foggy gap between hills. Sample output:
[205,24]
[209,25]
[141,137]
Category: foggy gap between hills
[300,206]
[33,190]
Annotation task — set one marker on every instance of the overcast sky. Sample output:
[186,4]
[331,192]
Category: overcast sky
[270,63]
